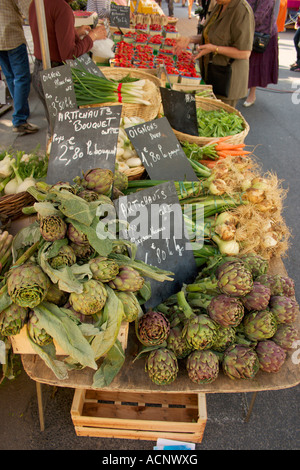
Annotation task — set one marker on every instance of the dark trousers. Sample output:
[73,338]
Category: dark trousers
[296,42]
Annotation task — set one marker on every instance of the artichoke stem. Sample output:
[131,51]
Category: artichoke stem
[182,302]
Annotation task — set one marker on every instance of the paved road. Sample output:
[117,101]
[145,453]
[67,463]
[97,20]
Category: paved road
[274,423]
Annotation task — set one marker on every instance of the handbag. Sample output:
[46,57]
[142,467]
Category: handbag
[219,76]
[261,40]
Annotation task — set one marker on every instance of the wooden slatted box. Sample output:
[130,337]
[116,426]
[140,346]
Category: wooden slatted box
[144,416]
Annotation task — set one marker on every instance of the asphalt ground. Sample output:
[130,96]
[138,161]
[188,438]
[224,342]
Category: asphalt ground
[274,422]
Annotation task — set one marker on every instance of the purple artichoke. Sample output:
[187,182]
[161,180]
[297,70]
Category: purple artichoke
[258,298]
[153,328]
[270,356]
[99,180]
[225,310]
[285,309]
[285,336]
[128,279]
[279,285]
[79,238]
[202,367]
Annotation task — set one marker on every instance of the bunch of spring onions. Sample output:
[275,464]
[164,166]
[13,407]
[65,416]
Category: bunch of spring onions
[93,89]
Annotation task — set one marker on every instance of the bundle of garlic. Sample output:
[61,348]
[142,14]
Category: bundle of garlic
[126,156]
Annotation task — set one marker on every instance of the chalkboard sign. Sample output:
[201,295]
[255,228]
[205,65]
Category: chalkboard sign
[119,16]
[180,110]
[156,227]
[160,151]
[83,139]
[59,91]
[86,62]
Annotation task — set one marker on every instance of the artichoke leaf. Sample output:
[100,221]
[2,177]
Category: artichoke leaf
[46,209]
[102,245]
[66,333]
[48,356]
[5,300]
[74,207]
[25,237]
[110,366]
[147,349]
[113,313]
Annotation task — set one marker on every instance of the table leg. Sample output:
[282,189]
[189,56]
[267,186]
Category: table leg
[40,405]
[250,408]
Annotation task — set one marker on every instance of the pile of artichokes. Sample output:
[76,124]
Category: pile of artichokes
[70,282]
[235,318]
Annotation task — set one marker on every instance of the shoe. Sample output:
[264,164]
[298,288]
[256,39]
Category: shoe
[26,128]
[295,68]
[247,104]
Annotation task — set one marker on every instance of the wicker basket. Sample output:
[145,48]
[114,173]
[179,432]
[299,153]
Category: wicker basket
[135,173]
[11,205]
[209,104]
[146,112]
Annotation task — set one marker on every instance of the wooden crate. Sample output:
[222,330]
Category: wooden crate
[21,344]
[143,416]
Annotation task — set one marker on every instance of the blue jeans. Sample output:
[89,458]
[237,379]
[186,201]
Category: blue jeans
[15,66]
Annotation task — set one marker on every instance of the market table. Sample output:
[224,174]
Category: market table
[132,379]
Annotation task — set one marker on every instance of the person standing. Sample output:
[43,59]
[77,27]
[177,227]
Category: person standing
[296,66]
[264,66]
[14,62]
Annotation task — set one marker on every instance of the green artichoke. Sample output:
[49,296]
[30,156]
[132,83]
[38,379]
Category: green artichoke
[56,296]
[234,279]
[52,227]
[202,367]
[285,309]
[131,305]
[224,338]
[77,237]
[65,257]
[279,285]
[285,336]
[162,366]
[91,300]
[259,325]
[258,298]
[104,269]
[12,320]
[177,342]
[83,253]
[255,263]
[27,285]
[37,333]
[120,180]
[99,180]
[225,310]
[128,280]
[240,362]
[200,332]
[153,328]
[270,355]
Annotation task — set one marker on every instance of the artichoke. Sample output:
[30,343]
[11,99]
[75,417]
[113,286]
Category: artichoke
[37,333]
[258,298]
[77,237]
[153,328]
[131,305]
[56,296]
[240,362]
[162,366]
[128,280]
[285,309]
[88,195]
[65,257]
[225,337]
[27,285]
[83,253]
[177,342]
[99,180]
[53,227]
[270,356]
[279,285]
[225,310]
[91,300]
[63,186]
[104,269]
[200,331]
[259,325]
[12,320]
[285,336]
[255,263]
[120,180]
[234,279]
[202,367]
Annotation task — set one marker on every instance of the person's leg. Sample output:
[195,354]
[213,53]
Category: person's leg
[190,5]
[251,97]
[7,71]
[296,42]
[18,59]
[171,7]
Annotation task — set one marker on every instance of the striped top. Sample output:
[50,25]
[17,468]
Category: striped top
[101,7]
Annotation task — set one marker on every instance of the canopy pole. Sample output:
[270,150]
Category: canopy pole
[42,27]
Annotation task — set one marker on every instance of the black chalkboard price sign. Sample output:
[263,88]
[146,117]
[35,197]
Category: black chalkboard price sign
[160,151]
[119,15]
[59,91]
[157,228]
[180,110]
[87,63]
[83,139]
